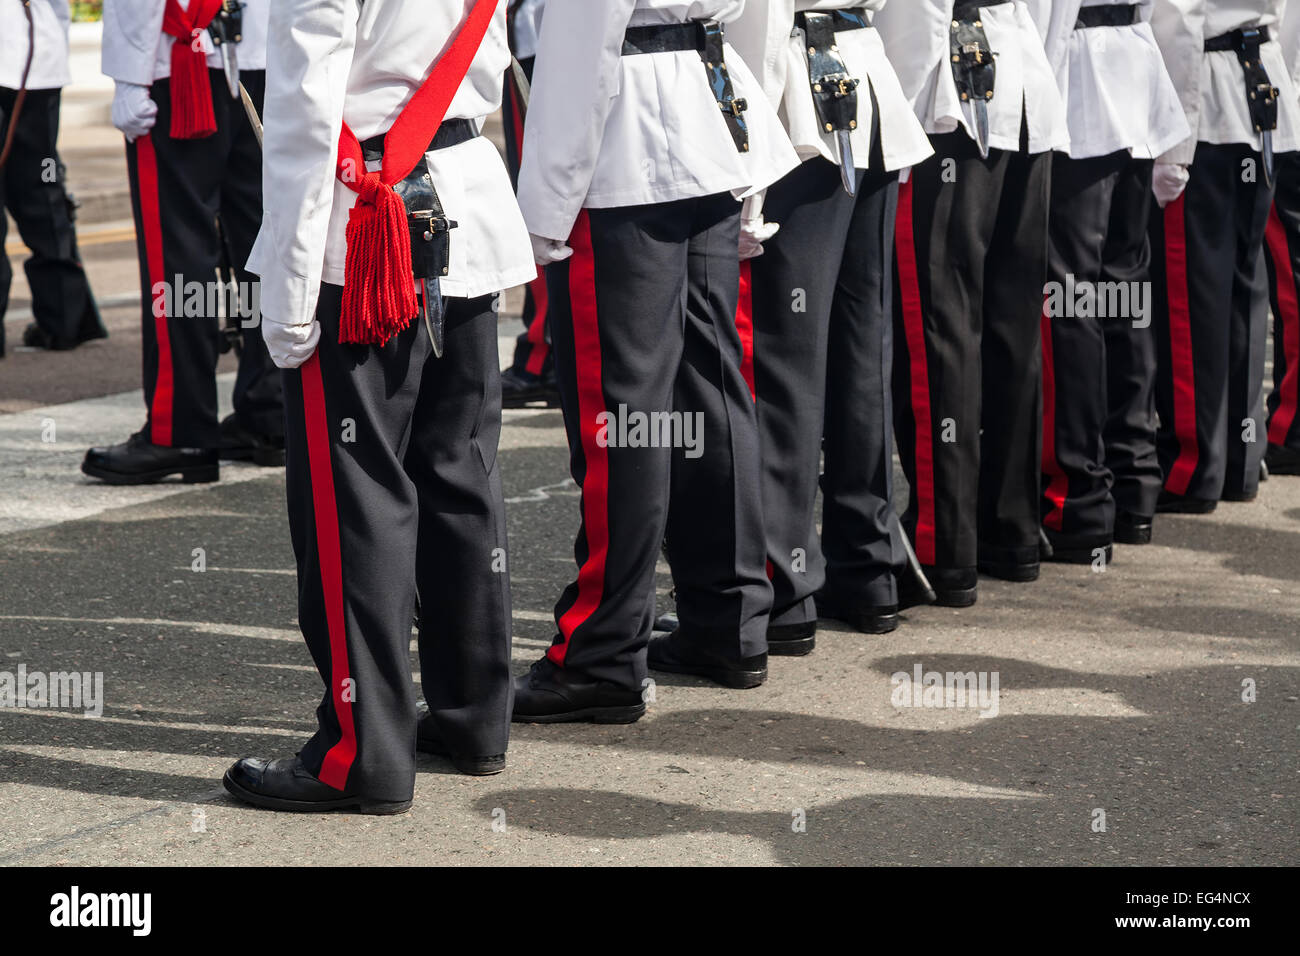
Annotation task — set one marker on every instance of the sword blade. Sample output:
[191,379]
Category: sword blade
[1270,163]
[848,172]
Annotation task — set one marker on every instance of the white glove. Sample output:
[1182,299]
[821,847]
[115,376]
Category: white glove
[546,251]
[1168,181]
[753,233]
[134,113]
[290,345]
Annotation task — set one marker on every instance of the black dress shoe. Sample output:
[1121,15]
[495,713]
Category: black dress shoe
[1170,503]
[1132,529]
[867,618]
[1020,572]
[1282,460]
[1238,494]
[35,337]
[677,653]
[1077,548]
[520,389]
[285,784]
[429,741]
[953,587]
[548,694]
[791,640]
[240,444]
[137,461]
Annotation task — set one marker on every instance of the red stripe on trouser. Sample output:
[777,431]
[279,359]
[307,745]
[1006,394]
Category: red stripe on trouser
[745,327]
[146,170]
[537,328]
[591,402]
[338,760]
[1058,487]
[909,293]
[1180,349]
[1288,305]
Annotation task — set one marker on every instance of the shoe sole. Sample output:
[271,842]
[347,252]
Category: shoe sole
[879,624]
[382,808]
[1187,508]
[192,475]
[588,715]
[264,458]
[795,647]
[1078,555]
[1133,536]
[531,401]
[737,680]
[1017,574]
[472,766]
[955,597]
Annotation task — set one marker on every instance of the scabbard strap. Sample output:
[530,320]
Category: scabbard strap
[705,37]
[1261,94]
[974,69]
[834,91]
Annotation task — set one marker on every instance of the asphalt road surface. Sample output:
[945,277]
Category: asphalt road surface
[1145,714]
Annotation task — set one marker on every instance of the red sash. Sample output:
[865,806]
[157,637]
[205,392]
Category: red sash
[378,289]
[191,95]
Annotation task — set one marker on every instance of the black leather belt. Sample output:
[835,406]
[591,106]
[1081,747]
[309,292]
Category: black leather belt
[840,20]
[452,132]
[663,38]
[1237,40]
[706,38]
[1120,15]
[968,11]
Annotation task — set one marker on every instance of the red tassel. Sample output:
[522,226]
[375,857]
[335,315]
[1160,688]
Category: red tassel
[378,289]
[191,93]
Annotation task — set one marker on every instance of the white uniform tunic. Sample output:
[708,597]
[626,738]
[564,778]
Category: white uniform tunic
[50,61]
[609,130]
[771,45]
[916,35]
[137,51]
[1211,85]
[528,23]
[331,63]
[1117,91]
[1289,37]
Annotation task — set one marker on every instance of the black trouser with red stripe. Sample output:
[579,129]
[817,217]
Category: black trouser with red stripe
[970,261]
[178,190]
[533,347]
[62,303]
[1210,318]
[394,490]
[819,302]
[643,323]
[1282,254]
[1099,415]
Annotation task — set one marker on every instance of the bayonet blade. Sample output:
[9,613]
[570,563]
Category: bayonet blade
[230,63]
[431,310]
[848,172]
[1270,163]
